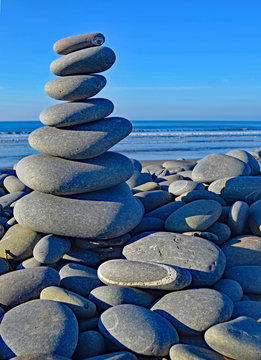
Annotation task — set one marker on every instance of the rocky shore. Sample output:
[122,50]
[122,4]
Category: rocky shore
[105,257]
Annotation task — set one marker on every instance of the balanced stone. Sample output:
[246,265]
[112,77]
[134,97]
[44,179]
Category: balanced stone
[101,214]
[238,339]
[248,276]
[231,288]
[140,330]
[193,311]
[179,187]
[84,62]
[90,343]
[237,218]
[185,352]
[40,326]
[153,199]
[218,166]
[196,215]
[75,87]
[57,176]
[77,112]
[251,309]
[247,158]
[203,259]
[254,219]
[200,195]
[78,42]
[20,286]
[51,249]
[82,141]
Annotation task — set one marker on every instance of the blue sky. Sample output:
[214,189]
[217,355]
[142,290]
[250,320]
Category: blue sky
[176,59]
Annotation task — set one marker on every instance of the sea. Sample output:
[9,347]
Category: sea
[150,140]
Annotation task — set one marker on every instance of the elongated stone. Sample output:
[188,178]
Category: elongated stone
[76,87]
[179,187]
[82,141]
[254,219]
[247,158]
[78,42]
[237,218]
[200,195]
[153,199]
[84,62]
[185,352]
[57,176]
[51,249]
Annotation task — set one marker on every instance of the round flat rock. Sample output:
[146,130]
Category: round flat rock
[78,42]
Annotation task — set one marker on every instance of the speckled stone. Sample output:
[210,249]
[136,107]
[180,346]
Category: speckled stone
[247,158]
[193,311]
[40,357]
[140,330]
[179,187]
[200,195]
[75,87]
[8,199]
[238,216]
[51,249]
[27,328]
[185,352]
[163,212]
[251,309]
[231,288]
[82,141]
[222,231]
[248,276]
[13,184]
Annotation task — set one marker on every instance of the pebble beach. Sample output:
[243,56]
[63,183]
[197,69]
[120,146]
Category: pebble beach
[107,257]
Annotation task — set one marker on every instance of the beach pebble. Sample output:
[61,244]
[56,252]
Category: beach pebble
[138,179]
[185,352]
[221,230]
[31,263]
[120,355]
[251,309]
[153,199]
[247,158]
[237,218]
[13,184]
[193,311]
[27,328]
[179,187]
[248,276]
[231,288]
[203,234]
[58,176]
[200,195]
[196,215]
[186,165]
[73,43]
[8,199]
[102,214]
[90,343]
[4,267]
[163,212]
[171,178]
[141,274]
[75,87]
[84,257]
[148,186]
[140,330]
[238,339]
[40,357]
[255,217]
[152,169]
[137,164]
[148,224]
[92,244]
[204,260]
[51,249]
[89,324]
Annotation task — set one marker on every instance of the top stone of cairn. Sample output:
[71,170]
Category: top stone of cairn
[73,43]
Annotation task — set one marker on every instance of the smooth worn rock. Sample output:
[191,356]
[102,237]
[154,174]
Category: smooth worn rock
[51,249]
[138,179]
[148,186]
[13,184]
[148,224]
[221,230]
[218,166]
[247,158]
[73,43]
[193,311]
[40,357]
[84,62]
[140,330]
[82,141]
[102,214]
[90,343]
[203,234]
[140,274]
[153,199]
[179,187]
[75,87]
[186,165]
[17,287]
[92,244]
[77,112]
[251,309]
[231,288]
[196,215]
[204,260]
[8,199]
[40,326]
[31,263]
[200,195]
[58,176]
[238,216]
[249,277]
[163,212]
[254,219]
[238,339]
[4,266]
[120,355]
[84,257]
[89,324]
[185,352]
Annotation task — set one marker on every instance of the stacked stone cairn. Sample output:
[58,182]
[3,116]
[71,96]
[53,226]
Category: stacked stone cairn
[90,269]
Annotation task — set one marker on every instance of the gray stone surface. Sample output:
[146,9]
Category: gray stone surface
[203,259]
[231,288]
[75,87]
[89,324]
[185,352]
[84,257]
[254,219]
[8,199]
[84,62]
[77,112]
[40,357]
[196,215]
[58,176]
[102,214]
[27,328]
[163,212]
[250,309]
[17,287]
[137,164]
[148,186]
[13,184]
[30,263]
[238,216]
[138,178]
[92,244]
[247,158]
[51,249]
[148,224]
[4,267]
[152,200]
[248,276]
[120,355]
[179,187]
[106,296]
[192,311]
[78,42]
[140,330]
[200,195]
[222,231]
[238,339]
[186,165]
[203,234]
[90,343]
[82,141]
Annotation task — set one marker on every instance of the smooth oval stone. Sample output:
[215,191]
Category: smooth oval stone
[120,355]
[89,258]
[218,166]
[239,339]
[249,277]
[148,186]
[187,165]
[200,195]
[40,326]
[40,357]
[20,286]
[101,214]
[247,158]
[166,210]
[75,113]
[193,311]
[4,267]
[30,263]
[18,243]
[106,296]
[221,230]
[82,141]
[89,324]
[204,260]
[137,164]
[185,352]
[231,288]
[8,199]
[179,187]
[81,307]
[238,216]
[76,87]
[58,176]
[84,62]
[13,184]
[243,250]
[51,249]
[254,219]
[140,330]
[90,343]
[250,309]
[138,179]
[78,42]
[148,224]
[140,274]
[196,215]
[153,199]
[79,278]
